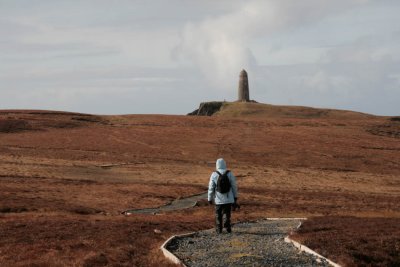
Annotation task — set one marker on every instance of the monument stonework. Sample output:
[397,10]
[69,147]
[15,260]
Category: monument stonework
[243,91]
[210,108]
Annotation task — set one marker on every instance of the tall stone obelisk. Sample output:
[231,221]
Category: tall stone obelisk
[244,95]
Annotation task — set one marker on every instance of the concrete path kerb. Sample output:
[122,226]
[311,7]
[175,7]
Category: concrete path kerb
[168,254]
[316,257]
[189,202]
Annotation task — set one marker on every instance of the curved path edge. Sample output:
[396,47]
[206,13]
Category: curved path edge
[171,257]
[168,254]
[306,249]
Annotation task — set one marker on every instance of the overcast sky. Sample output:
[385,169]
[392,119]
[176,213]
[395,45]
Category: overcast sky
[159,56]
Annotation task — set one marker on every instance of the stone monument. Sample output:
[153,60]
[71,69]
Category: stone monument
[243,91]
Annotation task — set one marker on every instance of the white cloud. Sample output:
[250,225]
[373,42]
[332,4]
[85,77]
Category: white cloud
[220,46]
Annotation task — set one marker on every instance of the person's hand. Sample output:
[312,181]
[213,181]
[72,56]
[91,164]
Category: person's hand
[235,206]
[210,202]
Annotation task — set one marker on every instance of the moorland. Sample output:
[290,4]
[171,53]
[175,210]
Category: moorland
[66,177]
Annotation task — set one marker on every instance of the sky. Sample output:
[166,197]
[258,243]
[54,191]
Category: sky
[165,57]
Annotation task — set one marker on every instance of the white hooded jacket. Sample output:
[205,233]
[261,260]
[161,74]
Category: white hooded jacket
[220,198]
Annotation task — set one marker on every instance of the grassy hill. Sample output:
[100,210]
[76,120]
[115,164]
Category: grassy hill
[238,109]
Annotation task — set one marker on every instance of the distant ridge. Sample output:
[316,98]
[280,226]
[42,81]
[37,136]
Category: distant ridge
[41,112]
[12,120]
[254,109]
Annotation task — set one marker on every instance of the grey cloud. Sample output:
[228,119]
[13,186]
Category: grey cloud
[120,13]
[373,47]
[370,87]
[102,56]
[29,51]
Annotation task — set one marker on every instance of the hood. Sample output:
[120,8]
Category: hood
[221,165]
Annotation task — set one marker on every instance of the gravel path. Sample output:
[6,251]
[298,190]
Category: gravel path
[177,204]
[253,244]
[250,244]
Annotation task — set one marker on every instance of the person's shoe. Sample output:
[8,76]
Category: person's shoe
[229,230]
[218,229]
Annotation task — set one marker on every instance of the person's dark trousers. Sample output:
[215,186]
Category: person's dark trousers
[220,210]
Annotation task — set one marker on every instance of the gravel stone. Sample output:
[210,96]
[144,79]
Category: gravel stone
[253,244]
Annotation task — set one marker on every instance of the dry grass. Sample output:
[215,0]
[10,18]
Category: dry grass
[58,206]
[13,126]
[66,240]
[352,241]
[237,109]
